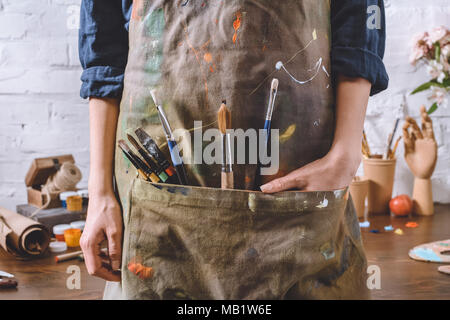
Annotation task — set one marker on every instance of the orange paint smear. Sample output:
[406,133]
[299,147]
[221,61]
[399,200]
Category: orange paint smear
[236,25]
[207,57]
[198,60]
[205,44]
[136,10]
[140,270]
[412,225]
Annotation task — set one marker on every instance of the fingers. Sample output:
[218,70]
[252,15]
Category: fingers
[408,139]
[427,124]
[291,181]
[423,110]
[115,248]
[415,128]
[93,258]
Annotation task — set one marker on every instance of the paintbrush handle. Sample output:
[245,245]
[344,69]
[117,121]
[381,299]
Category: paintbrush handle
[181,174]
[388,147]
[158,171]
[174,153]
[267,129]
[177,161]
[224,152]
[67,256]
[227,180]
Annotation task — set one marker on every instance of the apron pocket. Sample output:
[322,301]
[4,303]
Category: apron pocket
[185,242]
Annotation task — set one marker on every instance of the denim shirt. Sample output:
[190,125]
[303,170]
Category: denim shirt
[357,50]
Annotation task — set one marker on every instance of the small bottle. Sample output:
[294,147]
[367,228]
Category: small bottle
[64,195]
[59,229]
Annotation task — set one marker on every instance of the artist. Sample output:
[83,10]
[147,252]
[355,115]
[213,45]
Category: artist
[126,48]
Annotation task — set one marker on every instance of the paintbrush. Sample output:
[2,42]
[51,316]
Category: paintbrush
[148,160]
[143,170]
[150,145]
[392,155]
[364,150]
[171,142]
[366,143]
[224,120]
[133,161]
[271,107]
[268,121]
[390,139]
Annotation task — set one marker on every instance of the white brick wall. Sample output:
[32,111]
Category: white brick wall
[41,113]
[406,18]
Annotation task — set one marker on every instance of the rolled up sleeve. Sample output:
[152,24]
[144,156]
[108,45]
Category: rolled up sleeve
[358,41]
[103,48]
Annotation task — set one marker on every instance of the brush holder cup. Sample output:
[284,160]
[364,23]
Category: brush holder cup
[359,190]
[380,174]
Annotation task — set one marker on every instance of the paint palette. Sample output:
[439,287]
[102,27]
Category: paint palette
[438,251]
[444,269]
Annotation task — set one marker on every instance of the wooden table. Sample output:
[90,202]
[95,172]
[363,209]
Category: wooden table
[45,279]
[401,277]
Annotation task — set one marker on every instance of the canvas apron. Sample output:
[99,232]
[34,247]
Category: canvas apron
[202,242]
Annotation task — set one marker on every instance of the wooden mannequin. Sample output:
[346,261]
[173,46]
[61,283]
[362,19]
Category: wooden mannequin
[421,157]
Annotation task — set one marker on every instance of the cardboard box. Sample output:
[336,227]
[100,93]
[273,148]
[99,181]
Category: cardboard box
[37,175]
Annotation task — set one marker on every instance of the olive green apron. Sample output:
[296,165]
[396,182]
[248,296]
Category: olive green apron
[201,242]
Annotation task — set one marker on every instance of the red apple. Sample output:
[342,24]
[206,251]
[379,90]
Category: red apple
[401,205]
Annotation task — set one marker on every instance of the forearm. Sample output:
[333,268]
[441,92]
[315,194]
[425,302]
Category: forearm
[103,115]
[352,95]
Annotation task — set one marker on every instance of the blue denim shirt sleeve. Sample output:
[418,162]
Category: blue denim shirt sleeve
[103,46]
[357,49]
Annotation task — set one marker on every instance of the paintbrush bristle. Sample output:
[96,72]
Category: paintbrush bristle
[275,84]
[224,118]
[133,142]
[123,145]
[153,94]
[141,134]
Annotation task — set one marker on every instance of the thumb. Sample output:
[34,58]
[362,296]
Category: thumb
[115,248]
[290,181]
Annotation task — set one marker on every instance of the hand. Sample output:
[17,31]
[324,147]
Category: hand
[420,146]
[337,169]
[104,222]
[326,174]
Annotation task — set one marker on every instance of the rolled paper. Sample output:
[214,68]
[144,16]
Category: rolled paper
[22,236]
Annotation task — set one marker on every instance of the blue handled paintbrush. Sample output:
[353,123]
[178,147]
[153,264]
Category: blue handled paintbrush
[268,122]
[173,147]
[270,108]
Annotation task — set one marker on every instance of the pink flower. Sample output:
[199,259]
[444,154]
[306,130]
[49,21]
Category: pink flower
[417,54]
[445,57]
[435,70]
[420,47]
[438,33]
[446,51]
[420,37]
[445,40]
[439,95]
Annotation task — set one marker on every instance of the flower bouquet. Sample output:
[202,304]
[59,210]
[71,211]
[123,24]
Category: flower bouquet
[433,50]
